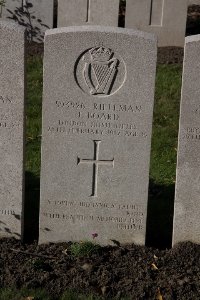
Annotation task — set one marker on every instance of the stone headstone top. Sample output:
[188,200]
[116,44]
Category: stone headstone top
[12,94]
[88,12]
[97,119]
[187,204]
[165,18]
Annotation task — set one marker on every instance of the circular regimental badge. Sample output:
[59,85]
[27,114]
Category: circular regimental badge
[100,72]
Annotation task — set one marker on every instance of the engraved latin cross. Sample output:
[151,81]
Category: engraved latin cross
[96,163]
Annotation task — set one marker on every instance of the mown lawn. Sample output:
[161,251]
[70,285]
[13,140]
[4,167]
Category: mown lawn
[165,124]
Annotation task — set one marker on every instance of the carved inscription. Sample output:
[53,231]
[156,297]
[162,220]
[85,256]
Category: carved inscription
[3,124]
[5,102]
[97,119]
[7,212]
[132,218]
[191,133]
[120,222]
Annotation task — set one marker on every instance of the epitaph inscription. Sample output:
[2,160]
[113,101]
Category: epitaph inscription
[97,117]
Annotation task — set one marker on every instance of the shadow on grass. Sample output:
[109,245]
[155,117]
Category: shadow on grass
[160,216]
[31,208]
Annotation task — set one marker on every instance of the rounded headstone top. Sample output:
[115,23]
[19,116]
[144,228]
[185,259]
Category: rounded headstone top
[192,38]
[102,29]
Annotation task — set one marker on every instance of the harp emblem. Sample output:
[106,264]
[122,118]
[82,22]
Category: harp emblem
[100,71]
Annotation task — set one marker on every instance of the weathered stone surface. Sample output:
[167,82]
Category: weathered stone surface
[187,204]
[165,18]
[35,15]
[97,119]
[195,2]
[88,12]
[12,39]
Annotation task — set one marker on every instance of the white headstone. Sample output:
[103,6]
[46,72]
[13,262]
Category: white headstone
[165,18]
[88,12]
[12,40]
[35,15]
[97,119]
[187,204]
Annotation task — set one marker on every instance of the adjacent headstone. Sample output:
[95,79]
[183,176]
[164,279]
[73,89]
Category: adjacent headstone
[165,18]
[35,15]
[12,40]
[97,119]
[88,12]
[187,204]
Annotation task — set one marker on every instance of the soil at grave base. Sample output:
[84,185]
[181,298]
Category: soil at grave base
[111,271]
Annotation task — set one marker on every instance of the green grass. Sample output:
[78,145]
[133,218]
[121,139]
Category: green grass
[84,249]
[165,125]
[34,115]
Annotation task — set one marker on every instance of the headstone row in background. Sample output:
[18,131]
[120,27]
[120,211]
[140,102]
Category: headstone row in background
[88,12]
[165,18]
